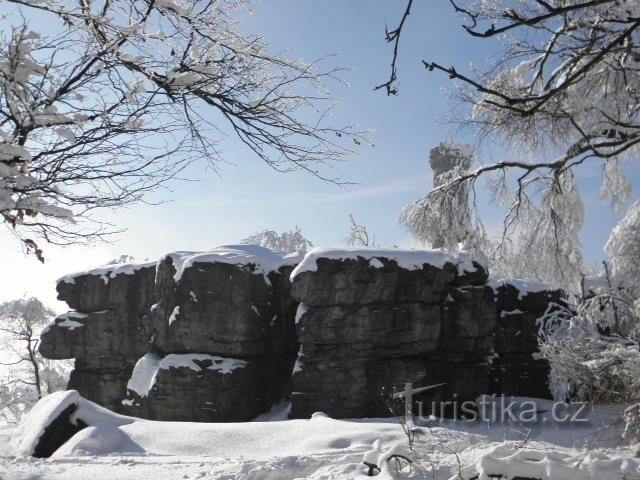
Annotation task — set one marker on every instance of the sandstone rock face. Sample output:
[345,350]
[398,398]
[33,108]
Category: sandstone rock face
[232,302]
[517,370]
[224,335]
[426,325]
[105,333]
[223,308]
[204,388]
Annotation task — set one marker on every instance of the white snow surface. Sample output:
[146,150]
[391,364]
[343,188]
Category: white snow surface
[223,365]
[98,439]
[66,320]
[146,369]
[174,314]
[106,272]
[300,311]
[410,259]
[264,259]
[320,448]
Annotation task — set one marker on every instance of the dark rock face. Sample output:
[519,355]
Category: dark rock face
[106,334]
[213,307]
[214,337]
[57,432]
[517,370]
[423,326]
[218,389]
[225,309]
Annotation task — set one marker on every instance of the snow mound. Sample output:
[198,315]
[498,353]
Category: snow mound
[108,271]
[510,461]
[264,259]
[33,425]
[29,432]
[146,369]
[98,439]
[409,259]
[92,414]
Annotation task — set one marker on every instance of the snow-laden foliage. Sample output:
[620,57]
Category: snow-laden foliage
[587,365]
[562,94]
[623,247]
[448,221]
[27,376]
[548,228]
[594,353]
[101,102]
[291,241]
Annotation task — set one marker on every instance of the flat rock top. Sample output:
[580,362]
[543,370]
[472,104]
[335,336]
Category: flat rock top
[264,259]
[105,272]
[409,259]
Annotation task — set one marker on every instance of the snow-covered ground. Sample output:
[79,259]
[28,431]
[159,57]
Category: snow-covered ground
[117,447]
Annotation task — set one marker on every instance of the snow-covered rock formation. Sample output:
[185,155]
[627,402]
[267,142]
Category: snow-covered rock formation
[192,312]
[376,318]
[214,336]
[106,331]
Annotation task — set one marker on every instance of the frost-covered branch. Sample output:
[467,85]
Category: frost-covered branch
[562,93]
[117,98]
[359,235]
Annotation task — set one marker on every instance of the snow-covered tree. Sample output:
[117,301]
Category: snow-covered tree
[291,241]
[446,222]
[623,248]
[28,376]
[101,102]
[359,235]
[562,93]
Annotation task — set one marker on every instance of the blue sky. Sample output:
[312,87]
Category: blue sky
[247,195]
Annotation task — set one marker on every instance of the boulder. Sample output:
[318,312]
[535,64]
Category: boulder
[228,302]
[372,319]
[106,333]
[102,382]
[518,369]
[359,281]
[371,330]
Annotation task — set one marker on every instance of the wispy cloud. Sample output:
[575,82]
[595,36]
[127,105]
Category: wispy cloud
[419,184]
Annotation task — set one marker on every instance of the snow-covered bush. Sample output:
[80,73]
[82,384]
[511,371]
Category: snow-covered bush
[623,248]
[27,376]
[291,241]
[594,353]
[359,235]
